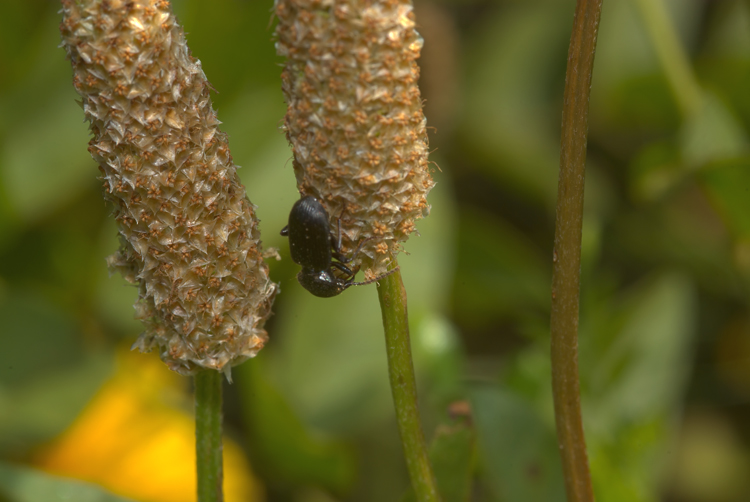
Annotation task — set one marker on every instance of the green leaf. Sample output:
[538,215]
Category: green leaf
[502,274]
[635,361]
[506,122]
[639,106]
[642,372]
[713,133]
[213,29]
[330,358]
[438,353]
[452,455]
[630,92]
[21,484]
[39,340]
[728,187]
[518,450]
[730,77]
[283,449]
[627,464]
[44,160]
[656,170]
[712,138]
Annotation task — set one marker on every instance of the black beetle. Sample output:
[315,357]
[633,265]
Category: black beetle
[313,246]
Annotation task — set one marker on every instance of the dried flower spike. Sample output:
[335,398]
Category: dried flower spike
[189,234]
[354,118]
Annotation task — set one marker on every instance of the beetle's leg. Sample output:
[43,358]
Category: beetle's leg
[351,282]
[344,259]
[336,244]
[344,268]
[285,231]
[338,240]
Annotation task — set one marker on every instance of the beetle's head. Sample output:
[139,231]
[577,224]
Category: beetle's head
[321,283]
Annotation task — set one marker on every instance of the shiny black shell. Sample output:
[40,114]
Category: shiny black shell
[310,234]
[322,284]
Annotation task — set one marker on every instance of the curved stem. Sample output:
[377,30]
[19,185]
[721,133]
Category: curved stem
[392,296]
[567,253]
[208,435]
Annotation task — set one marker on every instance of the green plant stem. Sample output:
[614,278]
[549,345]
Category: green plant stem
[208,435]
[671,55]
[392,296]
[567,253]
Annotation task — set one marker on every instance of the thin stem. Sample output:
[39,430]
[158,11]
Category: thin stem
[208,435]
[567,253]
[392,296]
[671,55]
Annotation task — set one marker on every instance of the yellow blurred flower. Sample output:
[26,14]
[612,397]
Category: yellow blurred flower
[135,439]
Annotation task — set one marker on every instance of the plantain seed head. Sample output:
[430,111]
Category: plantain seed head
[189,235]
[354,118]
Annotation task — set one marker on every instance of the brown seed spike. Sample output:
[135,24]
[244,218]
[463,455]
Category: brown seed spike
[367,106]
[167,169]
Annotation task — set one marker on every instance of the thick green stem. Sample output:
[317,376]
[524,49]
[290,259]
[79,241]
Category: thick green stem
[208,435]
[392,297]
[567,253]
[671,55]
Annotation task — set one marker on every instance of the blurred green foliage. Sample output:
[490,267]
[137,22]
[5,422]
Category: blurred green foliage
[26,485]
[664,329]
